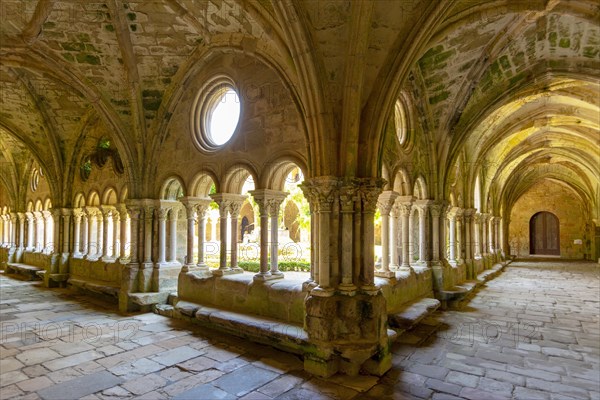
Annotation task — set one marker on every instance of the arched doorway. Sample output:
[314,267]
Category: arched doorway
[544,234]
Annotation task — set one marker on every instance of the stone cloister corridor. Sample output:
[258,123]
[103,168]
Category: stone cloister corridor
[328,189]
[531,333]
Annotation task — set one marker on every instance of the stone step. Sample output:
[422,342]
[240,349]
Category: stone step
[280,334]
[413,313]
[149,298]
[28,271]
[490,273]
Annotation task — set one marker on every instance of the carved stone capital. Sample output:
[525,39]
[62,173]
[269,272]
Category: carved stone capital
[370,189]
[321,191]
[348,196]
[386,201]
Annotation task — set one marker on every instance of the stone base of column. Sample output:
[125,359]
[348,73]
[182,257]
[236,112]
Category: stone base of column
[437,274]
[320,291]
[385,274]
[129,284]
[308,285]
[108,259]
[166,277]
[19,254]
[349,333]
[145,272]
[347,289]
[266,277]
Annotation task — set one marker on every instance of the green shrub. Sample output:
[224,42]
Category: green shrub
[284,266]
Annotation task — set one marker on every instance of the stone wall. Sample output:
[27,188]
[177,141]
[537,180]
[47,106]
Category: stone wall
[560,201]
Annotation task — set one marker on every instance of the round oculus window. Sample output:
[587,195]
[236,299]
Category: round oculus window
[216,115]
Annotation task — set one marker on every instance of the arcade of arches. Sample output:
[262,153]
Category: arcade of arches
[311,167]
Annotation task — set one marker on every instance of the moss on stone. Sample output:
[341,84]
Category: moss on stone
[151,93]
[109,27]
[565,43]
[553,37]
[519,59]
[151,104]
[83,37]
[504,63]
[68,56]
[85,58]
[73,46]
[590,51]
[132,16]
[49,25]
[439,97]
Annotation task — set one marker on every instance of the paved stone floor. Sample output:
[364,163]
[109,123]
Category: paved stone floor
[532,333]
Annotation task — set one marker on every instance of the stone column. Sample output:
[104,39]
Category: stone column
[274,207]
[422,207]
[85,232]
[326,306]
[30,231]
[234,212]
[348,197]
[477,236]
[201,209]
[369,190]
[92,246]
[224,201]
[77,215]
[124,240]
[13,230]
[2,231]
[498,225]
[190,214]
[459,236]
[385,204]
[134,212]
[395,214]
[116,245]
[405,211]
[161,214]
[468,229]
[322,192]
[436,212]
[47,242]
[263,209]
[484,230]
[106,216]
[452,236]
[22,218]
[66,222]
[492,235]
[100,232]
[148,214]
[223,212]
[173,215]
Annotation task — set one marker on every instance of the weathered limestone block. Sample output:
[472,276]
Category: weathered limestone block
[348,331]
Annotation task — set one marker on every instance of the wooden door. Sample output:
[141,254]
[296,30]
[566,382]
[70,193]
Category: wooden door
[544,234]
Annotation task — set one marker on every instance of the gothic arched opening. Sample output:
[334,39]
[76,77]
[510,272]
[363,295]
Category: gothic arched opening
[544,235]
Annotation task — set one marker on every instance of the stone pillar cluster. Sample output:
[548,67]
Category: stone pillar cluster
[269,203]
[343,282]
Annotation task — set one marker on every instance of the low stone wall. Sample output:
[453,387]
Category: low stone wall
[100,272]
[406,288]
[3,257]
[40,260]
[282,299]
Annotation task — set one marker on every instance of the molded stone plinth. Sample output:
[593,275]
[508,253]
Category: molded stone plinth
[350,333]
